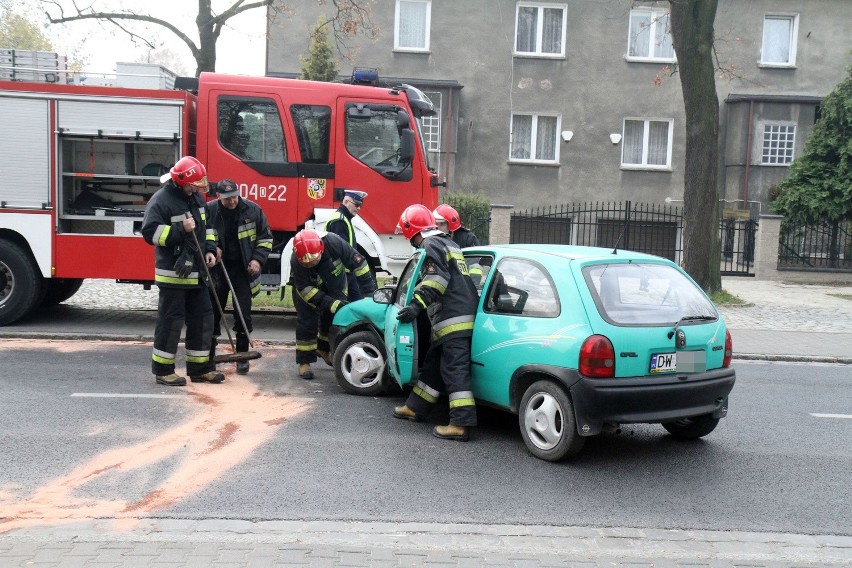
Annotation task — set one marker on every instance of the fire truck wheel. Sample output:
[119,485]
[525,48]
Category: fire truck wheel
[57,290]
[20,283]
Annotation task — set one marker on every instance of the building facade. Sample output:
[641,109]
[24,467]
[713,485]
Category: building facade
[558,102]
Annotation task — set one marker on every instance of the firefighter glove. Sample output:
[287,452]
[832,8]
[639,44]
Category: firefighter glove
[408,313]
[185,263]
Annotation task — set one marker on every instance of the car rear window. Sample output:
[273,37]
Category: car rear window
[646,294]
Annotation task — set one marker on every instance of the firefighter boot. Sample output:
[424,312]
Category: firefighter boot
[325,356]
[209,377]
[242,347]
[173,380]
[405,413]
[305,372]
[451,432]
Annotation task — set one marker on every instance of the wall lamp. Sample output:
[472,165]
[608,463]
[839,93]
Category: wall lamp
[567,135]
[615,138]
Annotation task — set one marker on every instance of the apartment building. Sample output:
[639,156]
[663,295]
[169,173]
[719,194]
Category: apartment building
[557,102]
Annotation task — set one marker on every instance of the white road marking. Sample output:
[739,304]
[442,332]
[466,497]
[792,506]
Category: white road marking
[815,415]
[121,395]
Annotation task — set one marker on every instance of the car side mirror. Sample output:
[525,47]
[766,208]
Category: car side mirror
[384,295]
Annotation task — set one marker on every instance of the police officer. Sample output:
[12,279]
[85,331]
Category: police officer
[318,268]
[340,223]
[449,297]
[173,213]
[245,241]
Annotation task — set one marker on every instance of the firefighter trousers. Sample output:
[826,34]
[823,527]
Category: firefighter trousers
[242,296]
[176,307]
[311,330]
[446,368]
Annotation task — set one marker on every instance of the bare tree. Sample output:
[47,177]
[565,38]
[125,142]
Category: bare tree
[692,34]
[348,17]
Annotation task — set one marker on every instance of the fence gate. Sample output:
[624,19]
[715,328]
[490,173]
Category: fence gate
[737,233]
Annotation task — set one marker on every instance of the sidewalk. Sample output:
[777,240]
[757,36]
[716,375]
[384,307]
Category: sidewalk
[779,322]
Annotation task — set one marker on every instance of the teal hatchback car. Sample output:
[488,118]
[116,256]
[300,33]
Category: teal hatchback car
[574,340]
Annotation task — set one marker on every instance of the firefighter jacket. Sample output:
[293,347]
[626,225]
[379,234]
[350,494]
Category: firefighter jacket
[465,238]
[162,227]
[254,237]
[340,223]
[324,286]
[445,290]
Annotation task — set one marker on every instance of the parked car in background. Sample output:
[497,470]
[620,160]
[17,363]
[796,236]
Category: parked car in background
[574,340]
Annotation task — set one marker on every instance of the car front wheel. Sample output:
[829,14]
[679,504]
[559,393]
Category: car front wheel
[692,428]
[359,364]
[547,422]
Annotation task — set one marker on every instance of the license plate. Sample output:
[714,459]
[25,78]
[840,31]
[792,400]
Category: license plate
[663,363]
[683,361]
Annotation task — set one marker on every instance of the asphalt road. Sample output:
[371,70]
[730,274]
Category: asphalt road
[87,431]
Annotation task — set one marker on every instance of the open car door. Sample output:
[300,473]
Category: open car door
[401,338]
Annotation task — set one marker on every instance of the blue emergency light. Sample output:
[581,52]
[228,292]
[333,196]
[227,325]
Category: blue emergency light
[365,76]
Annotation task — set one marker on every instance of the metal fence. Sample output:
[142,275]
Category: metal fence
[818,247]
[649,228]
[643,227]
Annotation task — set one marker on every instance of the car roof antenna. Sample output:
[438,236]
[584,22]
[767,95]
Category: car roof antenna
[621,236]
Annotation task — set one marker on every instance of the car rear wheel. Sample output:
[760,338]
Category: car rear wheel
[547,422]
[692,428]
[359,364]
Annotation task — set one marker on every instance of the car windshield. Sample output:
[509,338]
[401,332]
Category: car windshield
[646,294]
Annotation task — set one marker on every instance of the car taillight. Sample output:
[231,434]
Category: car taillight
[597,358]
[729,349]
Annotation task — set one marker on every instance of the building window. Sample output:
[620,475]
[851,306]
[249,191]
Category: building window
[649,37]
[647,144]
[411,25]
[540,29]
[432,124]
[778,143]
[779,40]
[534,138]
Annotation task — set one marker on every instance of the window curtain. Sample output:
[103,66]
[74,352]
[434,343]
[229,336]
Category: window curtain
[658,143]
[412,25]
[521,137]
[545,140]
[776,40]
[663,47]
[527,24]
[640,30]
[632,144]
[551,41]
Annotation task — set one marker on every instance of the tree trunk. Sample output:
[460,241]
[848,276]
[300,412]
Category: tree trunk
[692,35]
[208,33]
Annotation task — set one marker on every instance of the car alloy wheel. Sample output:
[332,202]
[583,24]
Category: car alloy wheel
[359,364]
[547,422]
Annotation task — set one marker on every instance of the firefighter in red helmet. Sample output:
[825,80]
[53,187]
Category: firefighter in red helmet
[449,297]
[172,215]
[318,268]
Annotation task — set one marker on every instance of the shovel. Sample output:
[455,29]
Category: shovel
[235,356]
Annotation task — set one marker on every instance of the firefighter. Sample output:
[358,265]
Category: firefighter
[449,297]
[449,222]
[318,274]
[340,223]
[172,215]
[244,243]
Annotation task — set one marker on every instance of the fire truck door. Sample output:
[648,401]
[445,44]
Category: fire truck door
[253,146]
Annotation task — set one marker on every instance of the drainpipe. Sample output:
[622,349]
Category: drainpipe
[745,186]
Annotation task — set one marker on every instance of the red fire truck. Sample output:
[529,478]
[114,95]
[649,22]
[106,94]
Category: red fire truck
[78,164]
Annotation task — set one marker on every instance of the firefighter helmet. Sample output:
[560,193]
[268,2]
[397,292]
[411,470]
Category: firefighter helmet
[189,171]
[444,212]
[414,219]
[308,247]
